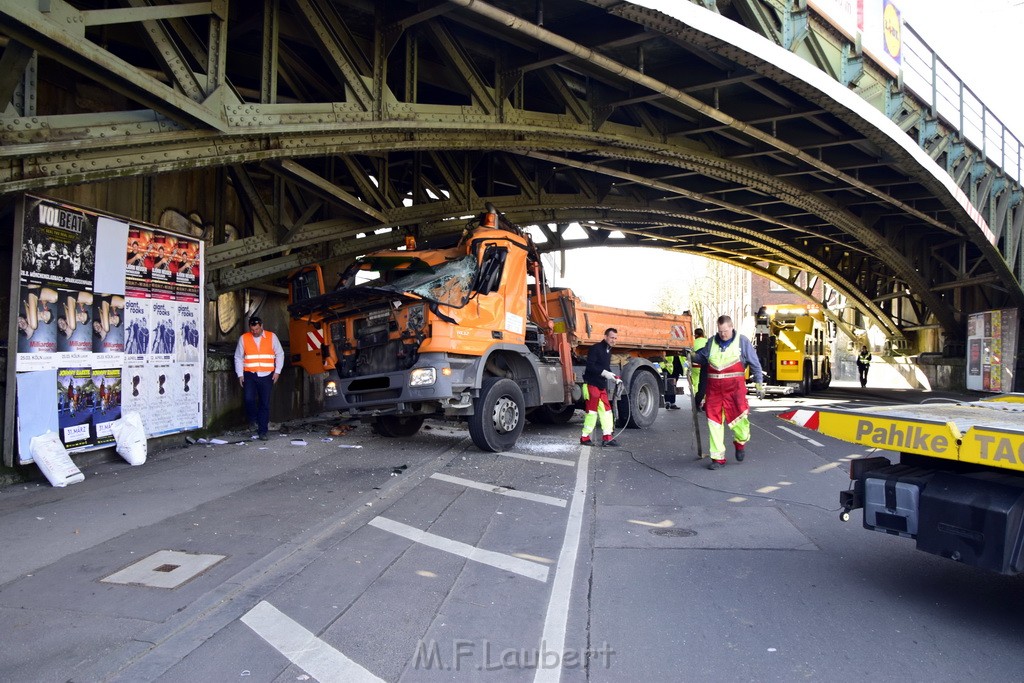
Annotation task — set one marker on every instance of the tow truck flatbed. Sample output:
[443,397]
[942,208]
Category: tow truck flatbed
[988,432]
[958,487]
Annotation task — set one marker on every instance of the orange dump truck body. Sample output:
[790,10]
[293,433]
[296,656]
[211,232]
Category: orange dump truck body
[640,332]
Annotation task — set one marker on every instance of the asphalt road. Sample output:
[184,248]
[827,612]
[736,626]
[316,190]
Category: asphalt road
[424,559]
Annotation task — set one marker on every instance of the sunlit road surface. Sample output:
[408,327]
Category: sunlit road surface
[425,559]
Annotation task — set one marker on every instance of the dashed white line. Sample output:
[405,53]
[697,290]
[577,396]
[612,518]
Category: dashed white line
[801,436]
[500,490]
[303,649]
[553,638]
[540,458]
[531,570]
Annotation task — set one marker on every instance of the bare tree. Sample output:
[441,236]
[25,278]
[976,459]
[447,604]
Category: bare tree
[671,299]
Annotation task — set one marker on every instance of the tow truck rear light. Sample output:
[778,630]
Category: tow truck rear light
[790,362]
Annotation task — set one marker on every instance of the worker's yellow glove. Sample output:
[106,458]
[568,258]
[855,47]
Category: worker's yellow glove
[759,388]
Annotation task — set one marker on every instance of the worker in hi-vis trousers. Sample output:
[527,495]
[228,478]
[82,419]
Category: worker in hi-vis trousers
[725,359]
[699,342]
[596,376]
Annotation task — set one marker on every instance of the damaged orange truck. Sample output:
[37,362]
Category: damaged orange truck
[469,332]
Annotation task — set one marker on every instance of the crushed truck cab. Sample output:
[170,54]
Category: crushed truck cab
[470,332]
[958,488]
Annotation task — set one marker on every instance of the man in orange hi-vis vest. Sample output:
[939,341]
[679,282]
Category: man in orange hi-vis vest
[258,362]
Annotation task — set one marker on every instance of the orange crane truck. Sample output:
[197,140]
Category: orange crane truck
[468,332]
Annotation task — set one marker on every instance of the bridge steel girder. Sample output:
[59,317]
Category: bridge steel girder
[656,126]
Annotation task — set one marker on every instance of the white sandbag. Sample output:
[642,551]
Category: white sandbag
[52,458]
[130,437]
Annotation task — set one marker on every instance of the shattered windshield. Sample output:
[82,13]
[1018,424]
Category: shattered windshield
[449,283]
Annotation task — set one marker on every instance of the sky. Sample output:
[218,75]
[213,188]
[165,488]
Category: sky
[979,40]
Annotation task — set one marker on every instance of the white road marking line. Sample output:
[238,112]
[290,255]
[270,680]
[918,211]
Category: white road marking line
[540,458]
[530,570]
[501,490]
[801,436]
[302,648]
[768,432]
[553,638]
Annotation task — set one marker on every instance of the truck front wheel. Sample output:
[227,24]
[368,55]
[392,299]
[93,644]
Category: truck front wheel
[498,416]
[644,400]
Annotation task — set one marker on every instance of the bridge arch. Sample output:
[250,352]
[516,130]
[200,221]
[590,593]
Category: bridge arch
[689,129]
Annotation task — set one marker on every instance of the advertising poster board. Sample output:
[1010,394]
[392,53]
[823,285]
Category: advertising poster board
[126,336]
[992,350]
[878,24]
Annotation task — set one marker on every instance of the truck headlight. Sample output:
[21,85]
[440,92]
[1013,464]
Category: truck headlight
[331,388]
[422,377]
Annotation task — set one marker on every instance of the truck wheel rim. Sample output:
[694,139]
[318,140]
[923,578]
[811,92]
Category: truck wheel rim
[506,415]
[643,400]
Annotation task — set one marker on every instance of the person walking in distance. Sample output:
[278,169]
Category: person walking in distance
[863,365]
[596,376]
[725,359]
[259,359]
[673,368]
[700,340]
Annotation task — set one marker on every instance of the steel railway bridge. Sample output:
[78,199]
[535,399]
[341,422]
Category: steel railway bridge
[748,131]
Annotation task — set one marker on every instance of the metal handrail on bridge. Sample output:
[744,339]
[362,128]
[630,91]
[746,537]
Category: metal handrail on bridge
[932,80]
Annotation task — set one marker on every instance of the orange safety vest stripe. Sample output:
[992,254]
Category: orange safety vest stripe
[255,360]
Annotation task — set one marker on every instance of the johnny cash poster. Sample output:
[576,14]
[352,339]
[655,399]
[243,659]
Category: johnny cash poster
[107,404]
[75,403]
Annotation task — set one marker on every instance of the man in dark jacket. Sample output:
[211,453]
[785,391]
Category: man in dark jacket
[863,365]
[596,376]
[672,367]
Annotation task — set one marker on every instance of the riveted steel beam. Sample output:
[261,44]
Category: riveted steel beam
[345,57]
[65,42]
[721,152]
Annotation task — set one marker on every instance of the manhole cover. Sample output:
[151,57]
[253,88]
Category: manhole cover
[164,569]
[674,532]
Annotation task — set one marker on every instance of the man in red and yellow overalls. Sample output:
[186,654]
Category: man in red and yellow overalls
[725,359]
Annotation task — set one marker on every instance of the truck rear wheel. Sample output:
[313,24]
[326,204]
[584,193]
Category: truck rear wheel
[498,416]
[826,377]
[398,426]
[805,386]
[644,401]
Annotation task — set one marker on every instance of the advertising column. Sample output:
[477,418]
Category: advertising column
[992,350]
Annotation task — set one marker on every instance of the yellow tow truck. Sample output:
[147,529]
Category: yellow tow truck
[958,488]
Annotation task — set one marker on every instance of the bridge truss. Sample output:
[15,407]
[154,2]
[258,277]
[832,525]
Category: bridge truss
[339,125]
